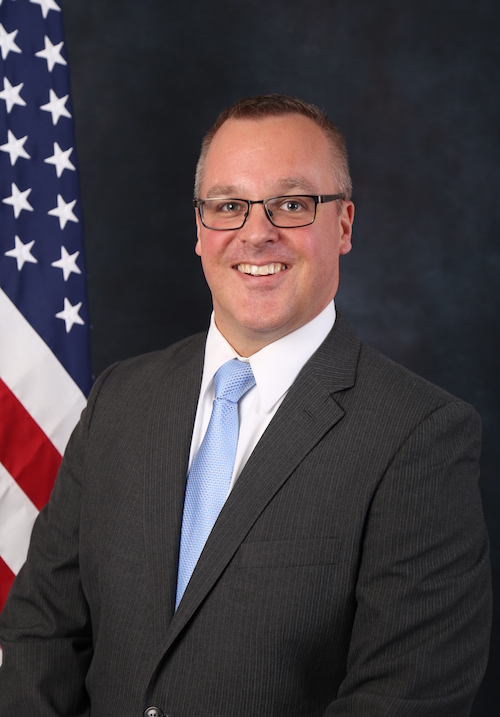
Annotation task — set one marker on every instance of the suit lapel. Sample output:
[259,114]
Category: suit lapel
[168,439]
[307,414]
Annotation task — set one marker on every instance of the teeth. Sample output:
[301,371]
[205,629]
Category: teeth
[255,270]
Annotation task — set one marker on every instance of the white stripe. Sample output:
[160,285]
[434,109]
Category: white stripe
[35,376]
[17,515]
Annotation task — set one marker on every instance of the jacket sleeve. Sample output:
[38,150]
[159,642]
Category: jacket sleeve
[420,638]
[45,628]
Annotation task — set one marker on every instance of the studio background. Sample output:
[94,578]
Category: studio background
[414,87]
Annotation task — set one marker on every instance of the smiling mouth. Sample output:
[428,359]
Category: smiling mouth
[264,270]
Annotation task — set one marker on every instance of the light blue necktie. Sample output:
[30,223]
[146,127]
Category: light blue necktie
[210,475]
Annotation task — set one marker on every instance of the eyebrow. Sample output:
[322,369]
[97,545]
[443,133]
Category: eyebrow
[298,182]
[280,185]
[222,190]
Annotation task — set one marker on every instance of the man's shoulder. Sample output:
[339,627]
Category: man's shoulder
[378,380]
[178,354]
[387,375]
[389,381]
[146,370]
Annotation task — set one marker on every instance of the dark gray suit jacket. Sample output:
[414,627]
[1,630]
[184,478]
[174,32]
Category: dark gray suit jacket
[347,574]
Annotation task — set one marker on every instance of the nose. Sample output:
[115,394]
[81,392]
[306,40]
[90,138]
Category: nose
[258,229]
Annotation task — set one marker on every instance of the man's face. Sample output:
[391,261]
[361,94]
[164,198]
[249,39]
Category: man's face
[257,159]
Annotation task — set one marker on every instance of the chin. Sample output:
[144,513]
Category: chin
[264,333]
[261,325]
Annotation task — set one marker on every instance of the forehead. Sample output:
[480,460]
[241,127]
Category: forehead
[267,155]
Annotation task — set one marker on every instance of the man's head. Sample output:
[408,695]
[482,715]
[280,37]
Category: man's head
[264,106]
[267,280]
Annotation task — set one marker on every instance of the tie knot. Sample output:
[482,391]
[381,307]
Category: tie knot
[232,380]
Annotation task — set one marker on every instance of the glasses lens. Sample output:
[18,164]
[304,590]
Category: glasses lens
[296,211]
[224,213]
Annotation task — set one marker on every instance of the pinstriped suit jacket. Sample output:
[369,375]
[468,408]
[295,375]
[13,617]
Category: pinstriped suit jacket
[347,574]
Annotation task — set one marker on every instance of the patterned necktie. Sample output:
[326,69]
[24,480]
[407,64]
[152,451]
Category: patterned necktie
[210,475]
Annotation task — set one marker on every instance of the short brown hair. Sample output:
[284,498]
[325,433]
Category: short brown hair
[276,106]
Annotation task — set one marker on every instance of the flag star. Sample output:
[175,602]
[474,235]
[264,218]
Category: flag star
[67,263]
[52,54]
[70,315]
[22,253]
[7,43]
[11,95]
[15,147]
[60,159]
[56,106]
[18,200]
[46,5]
[64,211]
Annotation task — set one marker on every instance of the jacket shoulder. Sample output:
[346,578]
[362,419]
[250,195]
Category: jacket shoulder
[135,381]
[377,387]
[149,366]
[386,377]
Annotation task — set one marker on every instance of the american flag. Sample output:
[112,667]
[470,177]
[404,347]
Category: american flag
[44,324]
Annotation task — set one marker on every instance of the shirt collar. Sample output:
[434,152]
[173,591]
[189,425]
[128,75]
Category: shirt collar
[277,365]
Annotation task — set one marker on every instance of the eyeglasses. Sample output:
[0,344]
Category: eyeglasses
[287,212]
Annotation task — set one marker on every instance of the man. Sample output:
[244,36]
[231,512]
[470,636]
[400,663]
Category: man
[342,568]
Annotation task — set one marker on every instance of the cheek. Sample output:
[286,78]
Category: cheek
[211,246]
[322,257]
[206,249]
[324,269]
[211,253]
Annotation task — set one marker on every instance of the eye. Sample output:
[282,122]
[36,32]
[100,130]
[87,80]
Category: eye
[292,205]
[229,207]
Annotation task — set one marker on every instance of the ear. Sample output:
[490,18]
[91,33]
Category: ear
[198,232]
[346,220]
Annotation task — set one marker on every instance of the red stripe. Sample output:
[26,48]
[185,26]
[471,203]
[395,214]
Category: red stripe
[25,451]
[6,580]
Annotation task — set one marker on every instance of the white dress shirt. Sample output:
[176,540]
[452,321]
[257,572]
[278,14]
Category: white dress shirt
[275,368]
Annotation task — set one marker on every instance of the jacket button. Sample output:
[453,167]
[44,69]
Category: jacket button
[153,712]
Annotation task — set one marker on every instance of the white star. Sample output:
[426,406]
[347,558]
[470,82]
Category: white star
[18,200]
[67,263]
[60,159]
[22,253]
[70,315]
[56,107]
[7,41]
[64,211]
[11,95]
[15,147]
[46,5]
[52,54]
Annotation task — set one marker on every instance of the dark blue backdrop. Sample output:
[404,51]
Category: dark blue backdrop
[415,88]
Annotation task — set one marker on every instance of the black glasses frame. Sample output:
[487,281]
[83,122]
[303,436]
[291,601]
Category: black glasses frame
[318,199]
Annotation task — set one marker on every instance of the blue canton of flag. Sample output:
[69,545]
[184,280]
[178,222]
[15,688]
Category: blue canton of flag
[45,371]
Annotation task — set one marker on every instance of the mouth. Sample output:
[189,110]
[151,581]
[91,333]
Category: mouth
[264,270]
